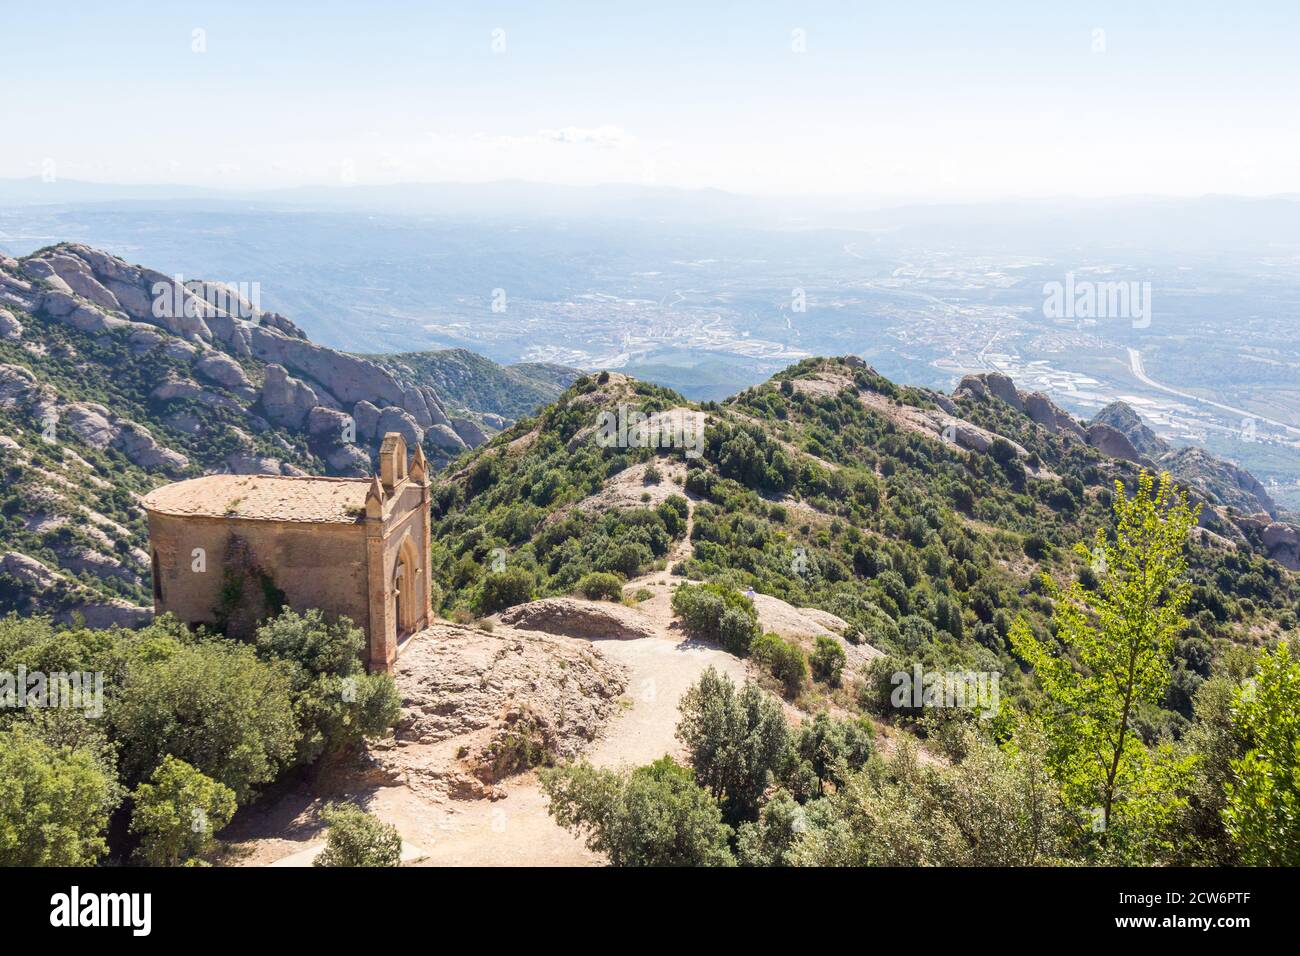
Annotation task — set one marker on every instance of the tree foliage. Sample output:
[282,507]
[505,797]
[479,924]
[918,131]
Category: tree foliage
[177,813]
[54,802]
[214,705]
[357,839]
[1263,798]
[1111,653]
[738,741]
[654,815]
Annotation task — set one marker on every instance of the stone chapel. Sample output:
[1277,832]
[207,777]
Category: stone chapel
[226,548]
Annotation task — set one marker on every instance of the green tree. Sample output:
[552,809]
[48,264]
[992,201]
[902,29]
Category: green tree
[990,807]
[336,702]
[1112,652]
[769,840]
[832,748]
[178,812]
[213,705]
[54,802]
[601,586]
[1263,798]
[309,640]
[356,838]
[505,589]
[718,613]
[654,815]
[738,741]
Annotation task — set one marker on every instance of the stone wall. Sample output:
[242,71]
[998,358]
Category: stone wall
[314,565]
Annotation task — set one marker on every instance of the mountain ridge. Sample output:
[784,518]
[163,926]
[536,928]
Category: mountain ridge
[142,397]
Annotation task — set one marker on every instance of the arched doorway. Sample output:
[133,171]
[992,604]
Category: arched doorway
[406,583]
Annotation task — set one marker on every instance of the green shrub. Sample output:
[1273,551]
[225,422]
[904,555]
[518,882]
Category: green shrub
[626,559]
[738,741]
[317,645]
[178,812]
[1036,546]
[505,589]
[601,586]
[651,816]
[54,802]
[357,839]
[336,702]
[833,748]
[827,660]
[718,614]
[673,512]
[213,705]
[736,631]
[784,659]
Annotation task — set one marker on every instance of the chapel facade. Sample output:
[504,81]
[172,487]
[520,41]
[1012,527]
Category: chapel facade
[229,549]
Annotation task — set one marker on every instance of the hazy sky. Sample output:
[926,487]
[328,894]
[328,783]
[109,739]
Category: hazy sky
[907,99]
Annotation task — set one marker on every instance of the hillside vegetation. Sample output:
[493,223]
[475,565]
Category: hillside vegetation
[949,535]
[830,487]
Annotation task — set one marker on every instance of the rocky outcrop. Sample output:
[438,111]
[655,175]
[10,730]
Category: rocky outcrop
[221,369]
[1221,481]
[345,377]
[15,290]
[462,688]
[10,328]
[1121,417]
[393,419]
[286,400]
[1113,443]
[98,427]
[91,423]
[1001,387]
[469,431]
[1045,412]
[137,443]
[101,614]
[28,571]
[330,424]
[574,617]
[1282,542]
[366,416]
[443,437]
[174,389]
[18,386]
[1036,405]
[348,460]
[246,463]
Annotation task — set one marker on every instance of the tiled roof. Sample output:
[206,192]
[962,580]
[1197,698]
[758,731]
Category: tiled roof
[263,498]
